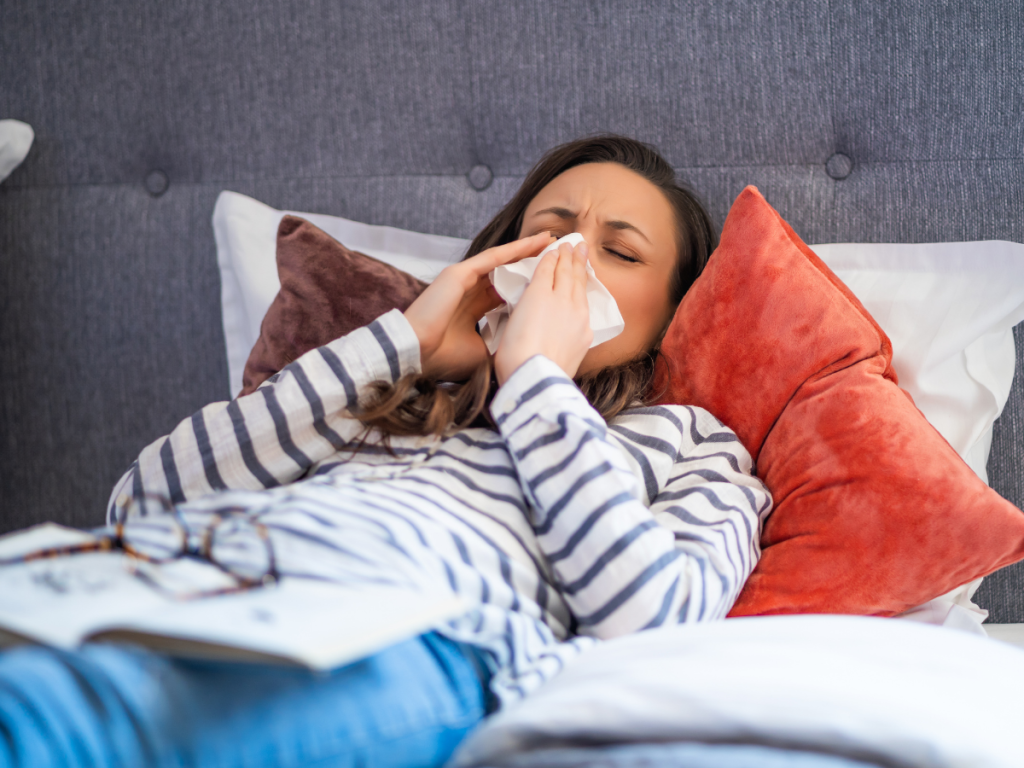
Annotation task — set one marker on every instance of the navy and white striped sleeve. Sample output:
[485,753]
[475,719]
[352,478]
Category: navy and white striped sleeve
[620,565]
[272,436]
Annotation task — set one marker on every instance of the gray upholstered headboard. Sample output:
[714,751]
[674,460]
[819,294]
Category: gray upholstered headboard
[869,122]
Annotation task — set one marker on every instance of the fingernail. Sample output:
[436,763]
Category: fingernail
[584,249]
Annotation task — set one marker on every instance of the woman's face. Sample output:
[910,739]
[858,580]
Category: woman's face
[630,230]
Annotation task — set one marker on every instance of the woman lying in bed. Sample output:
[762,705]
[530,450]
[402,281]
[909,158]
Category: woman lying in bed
[569,509]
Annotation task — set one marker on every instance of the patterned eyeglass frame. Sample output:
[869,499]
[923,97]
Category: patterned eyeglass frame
[116,542]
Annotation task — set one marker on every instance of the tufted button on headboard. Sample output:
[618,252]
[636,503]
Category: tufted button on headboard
[839,166]
[156,182]
[480,177]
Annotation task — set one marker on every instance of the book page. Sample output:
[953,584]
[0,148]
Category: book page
[42,536]
[65,600]
[298,621]
[58,601]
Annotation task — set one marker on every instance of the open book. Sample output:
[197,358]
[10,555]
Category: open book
[68,600]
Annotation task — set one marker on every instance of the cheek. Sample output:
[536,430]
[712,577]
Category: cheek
[644,307]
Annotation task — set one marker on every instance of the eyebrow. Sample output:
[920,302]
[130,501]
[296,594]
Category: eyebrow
[565,213]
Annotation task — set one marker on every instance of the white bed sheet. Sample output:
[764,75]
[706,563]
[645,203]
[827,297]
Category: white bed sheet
[1007,633]
[899,693]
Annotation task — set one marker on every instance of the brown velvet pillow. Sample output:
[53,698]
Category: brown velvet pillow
[326,291]
[874,512]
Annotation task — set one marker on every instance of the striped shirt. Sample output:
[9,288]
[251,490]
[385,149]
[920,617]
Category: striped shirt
[556,529]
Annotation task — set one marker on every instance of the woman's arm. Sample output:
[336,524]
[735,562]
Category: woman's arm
[621,566]
[272,436]
[302,415]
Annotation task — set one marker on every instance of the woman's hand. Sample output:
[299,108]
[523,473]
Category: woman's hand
[552,318]
[445,315]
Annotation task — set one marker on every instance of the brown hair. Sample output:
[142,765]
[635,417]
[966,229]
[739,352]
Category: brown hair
[417,406]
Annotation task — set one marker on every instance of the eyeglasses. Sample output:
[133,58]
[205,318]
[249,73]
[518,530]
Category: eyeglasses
[153,531]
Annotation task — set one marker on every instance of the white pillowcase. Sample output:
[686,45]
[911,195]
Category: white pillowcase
[948,308]
[888,691]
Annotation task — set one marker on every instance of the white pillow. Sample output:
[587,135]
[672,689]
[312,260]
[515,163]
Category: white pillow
[885,691]
[15,141]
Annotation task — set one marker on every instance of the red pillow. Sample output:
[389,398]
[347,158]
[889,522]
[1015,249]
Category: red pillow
[874,512]
[326,291]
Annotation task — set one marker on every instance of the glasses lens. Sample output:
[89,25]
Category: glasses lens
[238,547]
[157,537]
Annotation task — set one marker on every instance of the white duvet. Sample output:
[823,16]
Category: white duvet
[896,692]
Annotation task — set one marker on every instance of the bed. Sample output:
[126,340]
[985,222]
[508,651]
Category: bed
[859,125]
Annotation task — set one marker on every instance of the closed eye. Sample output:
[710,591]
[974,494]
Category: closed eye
[623,256]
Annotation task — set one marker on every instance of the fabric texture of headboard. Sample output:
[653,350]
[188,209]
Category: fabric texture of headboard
[860,122]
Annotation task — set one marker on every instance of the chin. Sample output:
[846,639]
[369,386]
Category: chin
[607,355]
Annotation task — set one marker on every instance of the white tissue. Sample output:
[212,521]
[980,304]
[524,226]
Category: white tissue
[510,282]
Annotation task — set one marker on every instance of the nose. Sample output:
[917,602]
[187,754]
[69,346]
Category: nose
[589,231]
[591,236]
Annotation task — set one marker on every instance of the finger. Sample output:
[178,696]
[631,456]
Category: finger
[487,260]
[544,275]
[481,300]
[564,270]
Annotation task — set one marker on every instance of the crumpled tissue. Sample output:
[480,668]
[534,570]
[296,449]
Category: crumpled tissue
[510,281]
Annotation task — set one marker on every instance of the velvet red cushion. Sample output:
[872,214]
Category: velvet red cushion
[326,291]
[874,512]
